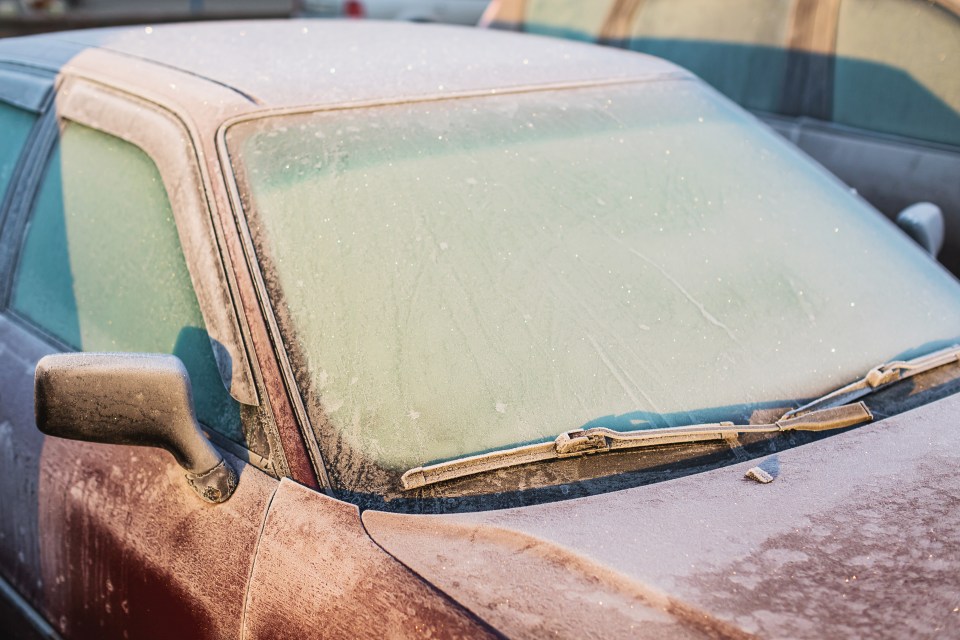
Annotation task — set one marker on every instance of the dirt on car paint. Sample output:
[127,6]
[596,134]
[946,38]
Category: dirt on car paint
[528,587]
[869,553]
[856,538]
[315,559]
[112,564]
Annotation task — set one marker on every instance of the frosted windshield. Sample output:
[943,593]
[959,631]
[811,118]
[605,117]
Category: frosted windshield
[457,276]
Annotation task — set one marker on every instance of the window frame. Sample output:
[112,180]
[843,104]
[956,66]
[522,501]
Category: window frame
[31,90]
[149,127]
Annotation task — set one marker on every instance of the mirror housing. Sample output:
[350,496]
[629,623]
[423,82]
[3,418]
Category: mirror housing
[130,398]
[923,222]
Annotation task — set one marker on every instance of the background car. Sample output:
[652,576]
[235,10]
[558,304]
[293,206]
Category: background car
[466,12]
[869,88]
[439,292]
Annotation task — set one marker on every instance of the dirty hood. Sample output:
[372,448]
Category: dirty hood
[858,536]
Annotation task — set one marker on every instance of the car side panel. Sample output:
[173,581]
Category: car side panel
[109,541]
[317,571]
[20,453]
[129,551]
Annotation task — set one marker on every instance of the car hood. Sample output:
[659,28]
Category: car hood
[857,536]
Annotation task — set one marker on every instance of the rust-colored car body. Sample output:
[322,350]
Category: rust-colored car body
[856,536]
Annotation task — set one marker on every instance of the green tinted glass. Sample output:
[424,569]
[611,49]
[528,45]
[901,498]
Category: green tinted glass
[102,268]
[464,275]
[15,125]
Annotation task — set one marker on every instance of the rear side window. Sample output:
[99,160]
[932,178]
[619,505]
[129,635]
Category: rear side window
[102,269]
[738,46]
[15,126]
[898,68]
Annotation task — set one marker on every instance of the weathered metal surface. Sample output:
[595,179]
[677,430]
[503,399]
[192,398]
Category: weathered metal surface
[20,450]
[108,541]
[122,398]
[127,551]
[348,62]
[856,538]
[19,620]
[528,587]
[318,573]
[134,399]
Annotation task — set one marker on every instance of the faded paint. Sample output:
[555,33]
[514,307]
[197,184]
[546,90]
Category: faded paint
[318,572]
[128,551]
[20,450]
[521,584]
[856,538]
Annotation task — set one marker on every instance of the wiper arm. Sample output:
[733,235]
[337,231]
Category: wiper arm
[879,378]
[601,440]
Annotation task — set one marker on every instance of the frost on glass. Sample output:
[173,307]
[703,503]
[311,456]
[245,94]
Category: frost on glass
[471,274]
[15,125]
[102,269]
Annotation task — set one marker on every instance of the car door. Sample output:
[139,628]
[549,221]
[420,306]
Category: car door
[108,246]
[24,93]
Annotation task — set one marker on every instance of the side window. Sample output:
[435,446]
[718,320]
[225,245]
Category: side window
[101,268]
[898,68]
[15,125]
[738,46]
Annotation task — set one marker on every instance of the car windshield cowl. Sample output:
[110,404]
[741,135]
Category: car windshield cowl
[878,378]
[596,440]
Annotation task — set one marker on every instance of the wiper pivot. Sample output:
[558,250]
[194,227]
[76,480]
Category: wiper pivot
[879,378]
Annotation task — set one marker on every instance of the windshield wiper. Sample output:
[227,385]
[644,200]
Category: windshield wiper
[601,440]
[834,410]
[879,378]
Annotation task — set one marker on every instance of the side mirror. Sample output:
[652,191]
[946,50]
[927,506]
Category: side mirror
[923,222]
[130,398]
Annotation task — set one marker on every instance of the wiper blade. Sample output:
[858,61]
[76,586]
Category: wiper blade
[879,378]
[583,442]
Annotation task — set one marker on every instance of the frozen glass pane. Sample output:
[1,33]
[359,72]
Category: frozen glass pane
[463,275]
[102,268]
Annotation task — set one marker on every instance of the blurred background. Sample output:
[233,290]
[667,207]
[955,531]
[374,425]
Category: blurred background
[25,17]
[868,88]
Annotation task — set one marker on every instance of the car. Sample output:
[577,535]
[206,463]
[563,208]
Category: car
[465,12]
[357,329]
[868,88]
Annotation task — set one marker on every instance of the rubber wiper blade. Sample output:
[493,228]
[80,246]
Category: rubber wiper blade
[879,378]
[596,440]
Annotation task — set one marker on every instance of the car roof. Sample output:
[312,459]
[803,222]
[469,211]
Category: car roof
[287,63]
